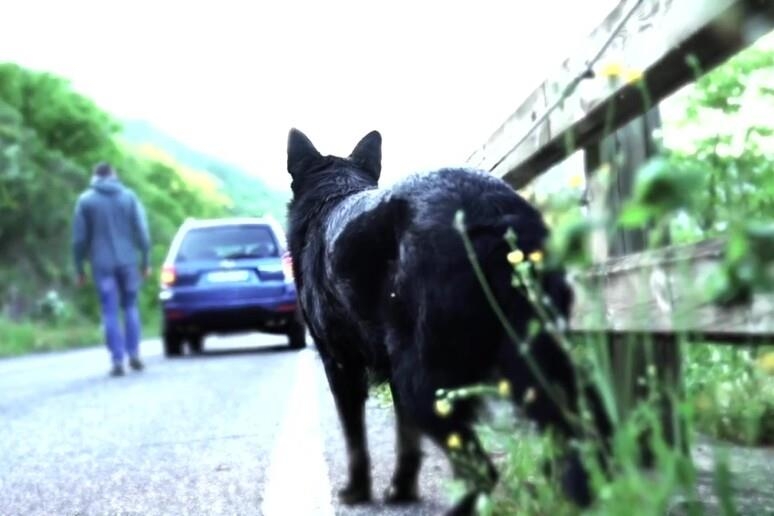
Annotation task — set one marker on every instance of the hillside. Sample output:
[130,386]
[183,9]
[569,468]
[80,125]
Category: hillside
[250,194]
[50,138]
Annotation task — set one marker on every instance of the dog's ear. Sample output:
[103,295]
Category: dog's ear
[301,152]
[368,154]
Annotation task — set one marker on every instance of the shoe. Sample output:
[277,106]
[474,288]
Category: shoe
[136,364]
[118,370]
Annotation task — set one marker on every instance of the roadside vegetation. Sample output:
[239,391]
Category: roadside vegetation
[50,138]
[712,177]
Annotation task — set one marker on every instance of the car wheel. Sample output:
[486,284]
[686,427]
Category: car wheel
[173,345]
[297,335]
[196,343]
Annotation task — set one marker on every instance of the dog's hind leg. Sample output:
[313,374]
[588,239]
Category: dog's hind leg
[453,432]
[350,389]
[403,487]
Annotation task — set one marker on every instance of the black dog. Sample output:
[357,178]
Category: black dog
[387,290]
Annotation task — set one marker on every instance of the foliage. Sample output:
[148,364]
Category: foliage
[731,392]
[30,336]
[713,177]
[726,132]
[249,194]
[527,490]
[50,138]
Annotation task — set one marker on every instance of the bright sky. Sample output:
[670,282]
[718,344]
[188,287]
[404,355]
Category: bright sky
[436,78]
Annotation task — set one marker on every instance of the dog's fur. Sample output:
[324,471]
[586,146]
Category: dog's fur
[387,289]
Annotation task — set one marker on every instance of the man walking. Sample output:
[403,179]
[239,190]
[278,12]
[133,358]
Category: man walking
[110,231]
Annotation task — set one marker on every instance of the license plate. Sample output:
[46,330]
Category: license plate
[227,276]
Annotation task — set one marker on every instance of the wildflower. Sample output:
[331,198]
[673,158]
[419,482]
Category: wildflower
[530,395]
[515,257]
[576,180]
[611,69]
[766,363]
[454,441]
[632,75]
[443,407]
[504,388]
[536,256]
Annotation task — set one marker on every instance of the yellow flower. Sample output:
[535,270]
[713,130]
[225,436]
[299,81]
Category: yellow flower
[530,395]
[515,257]
[504,388]
[611,69]
[576,180]
[443,407]
[454,441]
[766,363]
[631,75]
[536,256]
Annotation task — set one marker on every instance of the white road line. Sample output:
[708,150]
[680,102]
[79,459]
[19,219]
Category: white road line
[297,482]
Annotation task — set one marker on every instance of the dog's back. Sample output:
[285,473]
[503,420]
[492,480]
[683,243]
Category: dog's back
[418,290]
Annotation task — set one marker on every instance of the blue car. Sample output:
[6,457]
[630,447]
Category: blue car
[227,276]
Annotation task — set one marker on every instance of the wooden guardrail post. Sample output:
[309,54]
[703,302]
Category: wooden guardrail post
[639,361]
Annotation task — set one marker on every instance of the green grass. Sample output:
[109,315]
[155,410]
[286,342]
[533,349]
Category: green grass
[726,392]
[731,392]
[382,394]
[20,338]
[25,337]
[729,395]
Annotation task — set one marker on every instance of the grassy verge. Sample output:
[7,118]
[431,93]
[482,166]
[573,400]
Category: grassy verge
[24,337]
[20,338]
[729,395]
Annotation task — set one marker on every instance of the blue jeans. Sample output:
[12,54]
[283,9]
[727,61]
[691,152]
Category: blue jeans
[118,291]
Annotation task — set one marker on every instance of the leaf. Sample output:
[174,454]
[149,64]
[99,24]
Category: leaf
[484,505]
[722,481]
[570,241]
[737,247]
[634,215]
[533,328]
[663,187]
[761,131]
[761,240]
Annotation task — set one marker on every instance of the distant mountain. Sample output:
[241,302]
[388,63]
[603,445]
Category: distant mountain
[250,194]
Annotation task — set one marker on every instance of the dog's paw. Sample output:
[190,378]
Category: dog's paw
[355,494]
[400,494]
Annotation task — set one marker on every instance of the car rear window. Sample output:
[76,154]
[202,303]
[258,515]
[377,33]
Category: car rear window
[228,242]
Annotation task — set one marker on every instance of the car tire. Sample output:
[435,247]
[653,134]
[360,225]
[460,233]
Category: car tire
[196,344]
[297,335]
[173,345]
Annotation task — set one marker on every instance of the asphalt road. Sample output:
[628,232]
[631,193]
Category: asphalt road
[248,427]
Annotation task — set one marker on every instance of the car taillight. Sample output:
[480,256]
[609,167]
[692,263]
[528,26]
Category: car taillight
[287,307]
[167,276]
[287,267]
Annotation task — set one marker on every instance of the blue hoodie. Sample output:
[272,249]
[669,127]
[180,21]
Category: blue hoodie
[110,228]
